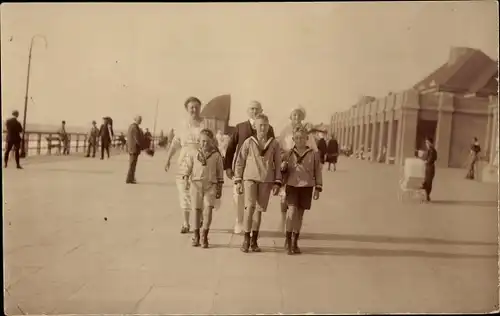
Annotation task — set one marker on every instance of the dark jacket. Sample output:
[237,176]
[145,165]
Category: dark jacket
[135,139]
[242,131]
[322,146]
[333,147]
[106,134]
[14,130]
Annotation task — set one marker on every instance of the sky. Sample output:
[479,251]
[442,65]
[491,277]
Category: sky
[119,59]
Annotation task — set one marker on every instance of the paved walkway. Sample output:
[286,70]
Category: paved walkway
[363,250]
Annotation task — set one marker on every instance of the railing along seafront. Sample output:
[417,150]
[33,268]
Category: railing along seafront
[47,143]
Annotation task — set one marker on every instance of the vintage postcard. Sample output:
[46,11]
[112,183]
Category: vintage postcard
[250,158]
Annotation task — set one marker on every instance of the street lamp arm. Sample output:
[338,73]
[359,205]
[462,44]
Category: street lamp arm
[39,36]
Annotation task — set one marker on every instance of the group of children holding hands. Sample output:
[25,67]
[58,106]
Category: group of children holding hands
[261,168]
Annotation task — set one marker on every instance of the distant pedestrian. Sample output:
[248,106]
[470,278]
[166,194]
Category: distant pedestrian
[63,138]
[304,181]
[93,139]
[203,173]
[13,138]
[122,141]
[135,146]
[332,153]
[322,148]
[430,158]
[475,149]
[148,138]
[106,135]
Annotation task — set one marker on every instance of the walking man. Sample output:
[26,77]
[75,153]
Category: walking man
[93,135]
[106,134]
[13,139]
[63,138]
[135,145]
[242,131]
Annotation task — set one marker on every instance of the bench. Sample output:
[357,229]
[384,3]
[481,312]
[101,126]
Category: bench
[50,145]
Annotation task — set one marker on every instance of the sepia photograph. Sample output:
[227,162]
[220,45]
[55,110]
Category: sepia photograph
[250,158]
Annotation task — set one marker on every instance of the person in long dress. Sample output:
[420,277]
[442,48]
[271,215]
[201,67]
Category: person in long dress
[185,140]
[285,139]
[430,158]
[332,153]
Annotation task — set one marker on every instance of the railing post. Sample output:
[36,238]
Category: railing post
[69,144]
[85,143]
[27,143]
[49,145]
[77,141]
[38,143]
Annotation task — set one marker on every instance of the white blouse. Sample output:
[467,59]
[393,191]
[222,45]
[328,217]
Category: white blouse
[187,133]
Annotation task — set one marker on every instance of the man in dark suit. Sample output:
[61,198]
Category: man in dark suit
[13,138]
[135,145]
[106,134]
[242,131]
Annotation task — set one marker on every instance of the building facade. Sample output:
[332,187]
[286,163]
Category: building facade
[452,105]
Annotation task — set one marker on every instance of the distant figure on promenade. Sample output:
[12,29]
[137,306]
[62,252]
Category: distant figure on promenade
[242,131]
[63,138]
[135,146]
[93,139]
[304,181]
[122,141]
[148,138]
[106,134]
[475,149]
[203,172]
[13,139]
[332,152]
[256,174]
[322,148]
[297,116]
[186,139]
[430,158]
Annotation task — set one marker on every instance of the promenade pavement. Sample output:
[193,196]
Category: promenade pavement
[78,240]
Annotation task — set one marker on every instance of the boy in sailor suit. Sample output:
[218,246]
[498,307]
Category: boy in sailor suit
[304,181]
[203,172]
[257,173]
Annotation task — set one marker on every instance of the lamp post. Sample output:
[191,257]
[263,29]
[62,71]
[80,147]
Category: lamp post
[23,146]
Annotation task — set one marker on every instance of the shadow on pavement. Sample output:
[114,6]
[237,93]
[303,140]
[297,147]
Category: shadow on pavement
[366,252]
[371,238]
[73,170]
[467,203]
[158,184]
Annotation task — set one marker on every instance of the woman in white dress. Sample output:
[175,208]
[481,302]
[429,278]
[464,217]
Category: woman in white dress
[185,139]
[297,117]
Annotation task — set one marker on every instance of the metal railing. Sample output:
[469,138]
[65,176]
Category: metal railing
[48,143]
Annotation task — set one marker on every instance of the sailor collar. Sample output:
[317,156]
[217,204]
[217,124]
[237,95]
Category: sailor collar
[300,157]
[203,157]
[266,146]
